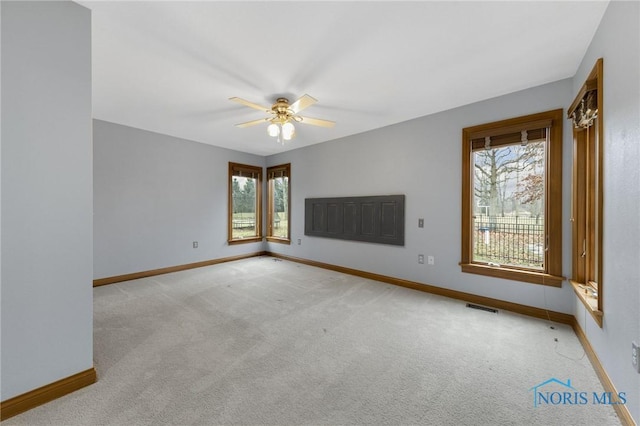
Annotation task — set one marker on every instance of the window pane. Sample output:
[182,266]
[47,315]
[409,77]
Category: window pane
[508,205]
[244,207]
[279,216]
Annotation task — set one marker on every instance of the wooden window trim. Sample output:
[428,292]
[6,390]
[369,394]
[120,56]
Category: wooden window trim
[279,240]
[552,274]
[589,302]
[281,170]
[236,169]
[587,201]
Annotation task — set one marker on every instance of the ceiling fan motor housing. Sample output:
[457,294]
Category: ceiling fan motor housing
[281,105]
[281,109]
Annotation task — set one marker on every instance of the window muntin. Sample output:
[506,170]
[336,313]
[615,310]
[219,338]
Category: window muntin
[278,205]
[245,213]
[512,199]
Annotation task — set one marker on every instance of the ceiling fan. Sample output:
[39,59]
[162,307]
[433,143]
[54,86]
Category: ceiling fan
[283,115]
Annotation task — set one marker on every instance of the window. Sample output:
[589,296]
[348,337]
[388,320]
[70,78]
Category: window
[586,199]
[278,205]
[245,214]
[512,199]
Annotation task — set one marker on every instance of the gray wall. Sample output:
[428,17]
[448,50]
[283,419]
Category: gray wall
[617,41]
[421,159]
[154,196]
[47,305]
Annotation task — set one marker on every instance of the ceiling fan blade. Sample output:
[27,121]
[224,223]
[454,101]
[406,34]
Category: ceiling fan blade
[303,102]
[250,104]
[253,122]
[317,122]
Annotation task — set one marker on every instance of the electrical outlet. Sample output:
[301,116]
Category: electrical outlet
[299,241]
[420,223]
[635,356]
[431,260]
[195,244]
[421,258]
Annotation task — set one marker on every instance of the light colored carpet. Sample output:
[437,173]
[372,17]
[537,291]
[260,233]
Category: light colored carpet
[264,341]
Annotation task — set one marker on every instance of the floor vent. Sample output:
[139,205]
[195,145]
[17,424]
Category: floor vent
[482,308]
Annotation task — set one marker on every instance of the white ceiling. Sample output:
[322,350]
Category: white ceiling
[171,66]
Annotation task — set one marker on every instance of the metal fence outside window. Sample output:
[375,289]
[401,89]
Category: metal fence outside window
[515,241]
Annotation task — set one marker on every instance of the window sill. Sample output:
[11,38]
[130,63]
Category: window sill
[245,240]
[279,240]
[590,302]
[513,274]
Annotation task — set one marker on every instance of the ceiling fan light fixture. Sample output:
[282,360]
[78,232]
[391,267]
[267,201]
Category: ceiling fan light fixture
[273,130]
[288,131]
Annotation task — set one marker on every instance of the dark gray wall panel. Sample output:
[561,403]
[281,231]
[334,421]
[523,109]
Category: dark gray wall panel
[388,219]
[350,218]
[374,219]
[318,217]
[334,218]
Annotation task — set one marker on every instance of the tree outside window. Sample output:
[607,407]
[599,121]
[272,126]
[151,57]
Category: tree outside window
[509,205]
